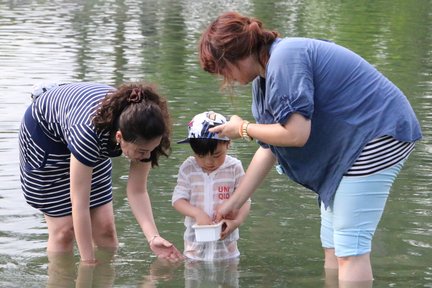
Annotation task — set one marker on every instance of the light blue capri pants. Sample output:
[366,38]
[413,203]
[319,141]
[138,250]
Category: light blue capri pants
[350,221]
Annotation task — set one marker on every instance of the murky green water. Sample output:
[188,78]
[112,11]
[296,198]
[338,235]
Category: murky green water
[126,40]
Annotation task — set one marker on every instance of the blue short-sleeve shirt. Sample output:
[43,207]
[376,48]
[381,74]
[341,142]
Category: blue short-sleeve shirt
[347,100]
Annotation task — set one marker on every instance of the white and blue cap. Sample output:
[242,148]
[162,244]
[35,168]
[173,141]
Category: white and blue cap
[200,124]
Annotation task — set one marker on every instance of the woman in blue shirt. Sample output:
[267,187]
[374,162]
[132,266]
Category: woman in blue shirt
[331,121]
[67,137]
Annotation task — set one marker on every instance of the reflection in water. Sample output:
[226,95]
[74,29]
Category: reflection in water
[63,271]
[161,270]
[196,274]
[113,41]
[222,273]
[331,281]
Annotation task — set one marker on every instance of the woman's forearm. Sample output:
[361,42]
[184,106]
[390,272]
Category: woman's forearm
[141,208]
[139,199]
[258,169]
[294,133]
[80,186]
[83,233]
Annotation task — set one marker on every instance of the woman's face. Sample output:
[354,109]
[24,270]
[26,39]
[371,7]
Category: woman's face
[244,71]
[139,150]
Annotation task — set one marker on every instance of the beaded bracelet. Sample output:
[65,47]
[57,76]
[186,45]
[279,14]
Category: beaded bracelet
[243,131]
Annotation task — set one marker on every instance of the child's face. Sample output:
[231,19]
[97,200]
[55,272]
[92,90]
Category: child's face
[211,162]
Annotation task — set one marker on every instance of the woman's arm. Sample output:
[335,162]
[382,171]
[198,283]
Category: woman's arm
[138,198]
[258,169]
[294,133]
[140,204]
[80,186]
[231,225]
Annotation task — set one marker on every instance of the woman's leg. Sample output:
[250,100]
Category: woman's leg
[348,224]
[330,268]
[103,226]
[60,234]
[357,209]
[355,268]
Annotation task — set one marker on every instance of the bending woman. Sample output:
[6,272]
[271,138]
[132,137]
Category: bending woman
[331,121]
[67,137]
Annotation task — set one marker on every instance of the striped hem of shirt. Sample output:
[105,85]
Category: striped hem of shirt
[379,154]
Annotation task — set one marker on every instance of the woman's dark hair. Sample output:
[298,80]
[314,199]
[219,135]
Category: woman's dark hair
[139,113]
[204,146]
[233,37]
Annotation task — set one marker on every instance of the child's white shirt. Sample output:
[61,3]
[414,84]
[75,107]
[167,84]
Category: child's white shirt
[207,191]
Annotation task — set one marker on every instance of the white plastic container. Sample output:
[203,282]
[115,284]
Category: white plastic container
[207,233]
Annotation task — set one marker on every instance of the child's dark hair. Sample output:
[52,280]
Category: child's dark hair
[204,146]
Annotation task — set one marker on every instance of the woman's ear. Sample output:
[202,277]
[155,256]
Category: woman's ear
[118,136]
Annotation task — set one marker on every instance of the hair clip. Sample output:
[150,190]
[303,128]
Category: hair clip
[135,96]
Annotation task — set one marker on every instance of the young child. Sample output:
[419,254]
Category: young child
[205,181]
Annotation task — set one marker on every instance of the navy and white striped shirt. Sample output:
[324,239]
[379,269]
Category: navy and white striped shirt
[380,154]
[65,114]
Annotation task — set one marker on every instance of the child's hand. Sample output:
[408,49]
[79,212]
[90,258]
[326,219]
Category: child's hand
[203,219]
[228,226]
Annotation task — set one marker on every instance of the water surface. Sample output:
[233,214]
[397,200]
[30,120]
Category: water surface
[156,41]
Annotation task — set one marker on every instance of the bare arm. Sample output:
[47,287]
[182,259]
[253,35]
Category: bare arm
[186,209]
[258,169]
[140,204]
[80,186]
[294,133]
[139,199]
[231,225]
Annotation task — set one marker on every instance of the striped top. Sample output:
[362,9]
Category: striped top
[207,192]
[65,115]
[380,154]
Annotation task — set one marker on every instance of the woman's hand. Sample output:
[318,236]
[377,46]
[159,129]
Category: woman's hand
[230,129]
[164,249]
[228,226]
[225,211]
[294,132]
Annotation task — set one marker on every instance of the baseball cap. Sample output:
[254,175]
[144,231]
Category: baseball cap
[200,123]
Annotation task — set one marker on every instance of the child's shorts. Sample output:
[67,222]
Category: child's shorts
[350,221]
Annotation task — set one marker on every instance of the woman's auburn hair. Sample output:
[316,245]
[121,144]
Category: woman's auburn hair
[140,113]
[233,37]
